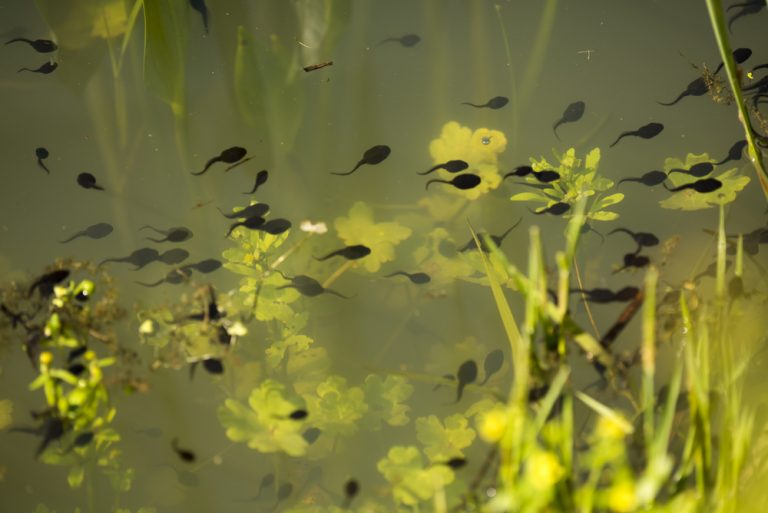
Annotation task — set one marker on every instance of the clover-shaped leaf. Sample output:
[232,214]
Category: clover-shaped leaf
[411,482]
[444,441]
[276,352]
[688,199]
[264,424]
[336,408]
[358,228]
[308,369]
[441,268]
[385,400]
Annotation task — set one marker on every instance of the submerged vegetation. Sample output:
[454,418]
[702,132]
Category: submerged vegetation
[530,409]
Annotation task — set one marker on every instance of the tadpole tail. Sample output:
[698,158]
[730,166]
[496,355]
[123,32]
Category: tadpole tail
[430,170]
[19,39]
[621,230]
[42,165]
[78,234]
[349,172]
[473,105]
[155,284]
[339,294]
[396,273]
[631,179]
[680,97]
[554,128]
[228,216]
[619,138]
[156,240]
[537,213]
[207,166]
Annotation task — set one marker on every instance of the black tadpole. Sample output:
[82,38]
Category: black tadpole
[261,179]
[45,69]
[494,103]
[556,209]
[735,152]
[229,156]
[139,258]
[642,239]
[416,278]
[466,375]
[650,179]
[174,234]
[309,287]
[497,240]
[747,8]
[452,166]
[95,231]
[697,170]
[252,223]
[41,154]
[648,131]
[372,156]
[408,40]
[572,113]
[492,364]
[199,6]
[354,252]
[462,182]
[696,88]
[275,226]
[701,186]
[255,210]
[38,45]
[88,181]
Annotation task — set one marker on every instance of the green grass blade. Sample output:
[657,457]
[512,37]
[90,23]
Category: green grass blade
[605,411]
[649,355]
[717,18]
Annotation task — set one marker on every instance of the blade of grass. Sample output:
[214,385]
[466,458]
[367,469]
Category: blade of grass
[555,388]
[606,412]
[648,353]
[717,18]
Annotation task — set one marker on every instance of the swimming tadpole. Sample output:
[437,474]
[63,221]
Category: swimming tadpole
[497,240]
[255,210]
[173,256]
[467,374]
[734,153]
[172,277]
[200,7]
[351,489]
[648,131]
[311,435]
[354,252]
[544,176]
[45,283]
[408,40]
[462,182]
[95,231]
[308,287]
[206,266]
[650,179]
[740,55]
[697,170]
[747,8]
[233,155]
[697,87]
[252,223]
[45,68]
[702,186]
[88,181]
[492,364]
[416,278]
[185,455]
[372,156]
[634,260]
[600,295]
[452,166]
[38,45]
[572,113]
[261,178]
[494,103]
[642,239]
[139,258]
[173,234]
[556,209]
[275,226]
[41,154]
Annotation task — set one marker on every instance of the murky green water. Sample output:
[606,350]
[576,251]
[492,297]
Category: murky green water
[374,358]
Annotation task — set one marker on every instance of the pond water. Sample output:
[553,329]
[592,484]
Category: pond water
[144,96]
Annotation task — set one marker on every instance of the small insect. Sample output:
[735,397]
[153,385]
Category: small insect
[88,181]
[452,166]
[494,103]
[648,131]
[702,186]
[486,140]
[416,278]
[372,156]
[41,154]
[462,182]
[45,69]
[95,231]
[572,113]
[185,454]
[650,178]
[38,45]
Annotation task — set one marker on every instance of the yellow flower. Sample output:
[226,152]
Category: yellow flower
[480,149]
[610,429]
[46,357]
[493,423]
[359,228]
[621,497]
[543,470]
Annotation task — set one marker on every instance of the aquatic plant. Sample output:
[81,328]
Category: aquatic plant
[733,182]
[579,179]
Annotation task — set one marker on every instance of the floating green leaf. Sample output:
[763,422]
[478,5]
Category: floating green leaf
[296,343]
[411,482]
[359,228]
[733,182]
[336,408]
[444,441]
[385,400]
[264,424]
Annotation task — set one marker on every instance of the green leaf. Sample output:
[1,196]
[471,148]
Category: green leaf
[607,201]
[385,400]
[411,482]
[276,352]
[75,476]
[592,159]
[530,196]
[165,27]
[359,228]
[336,408]
[264,424]
[444,441]
[603,216]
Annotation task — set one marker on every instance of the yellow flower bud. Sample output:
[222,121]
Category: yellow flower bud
[46,357]
[621,497]
[543,470]
[609,429]
[89,355]
[493,423]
